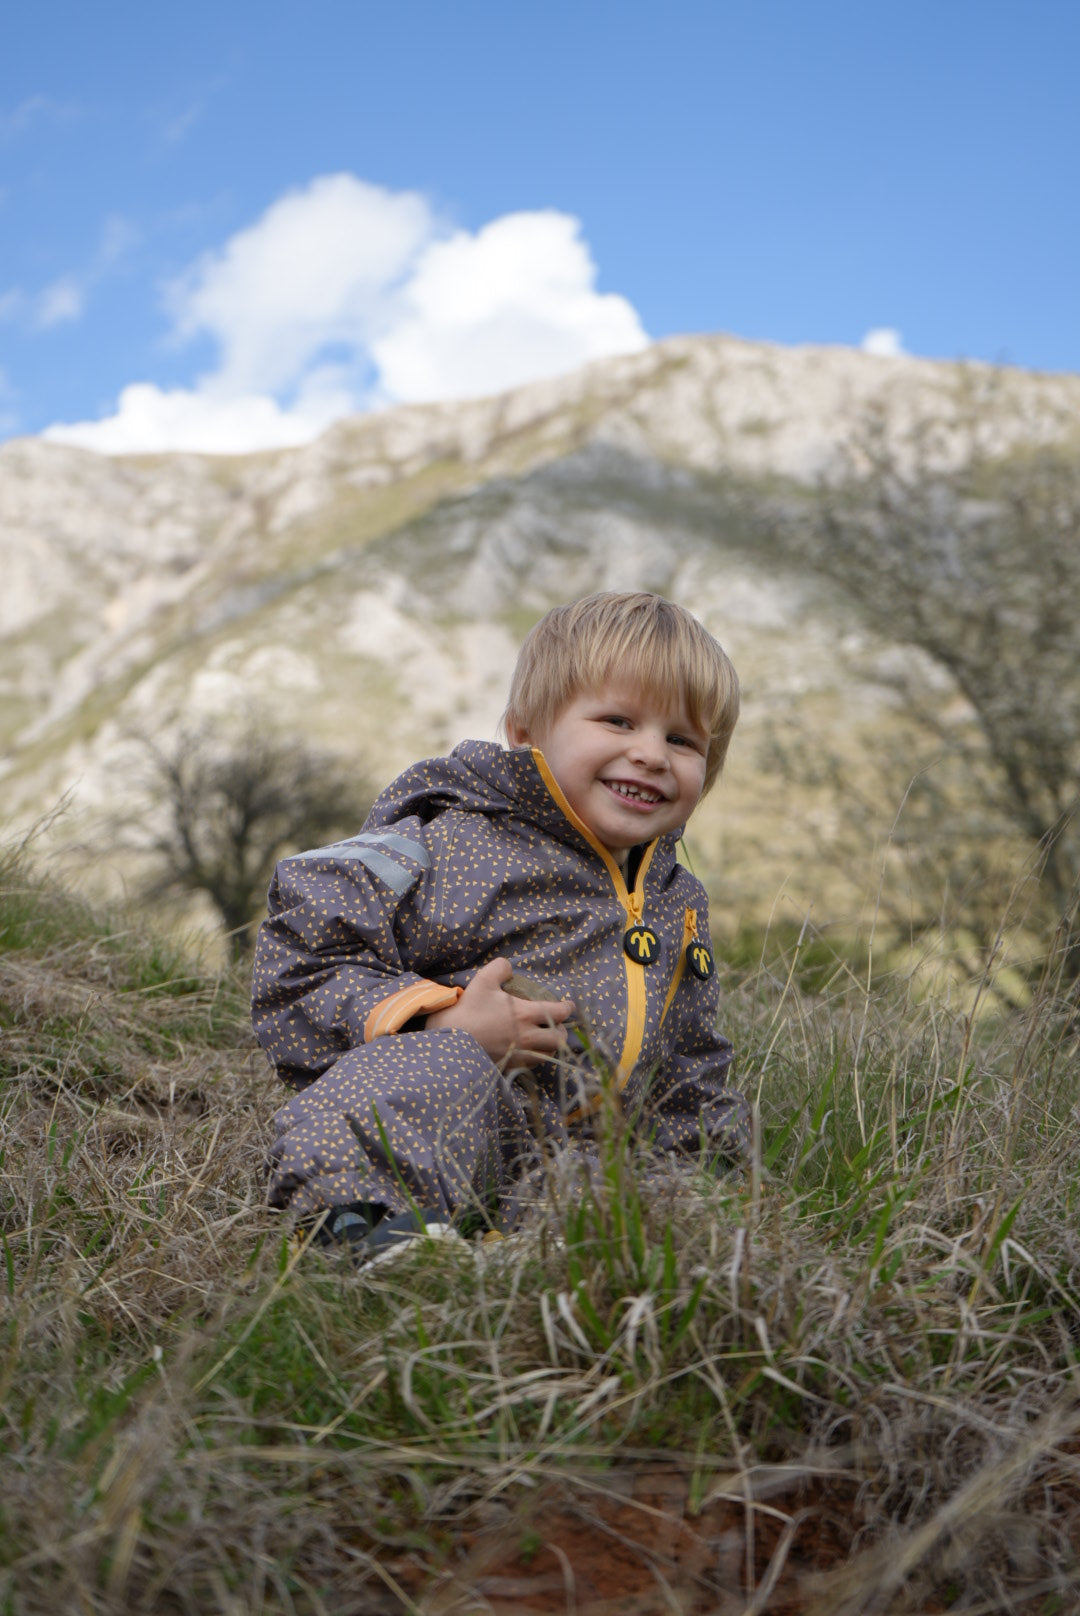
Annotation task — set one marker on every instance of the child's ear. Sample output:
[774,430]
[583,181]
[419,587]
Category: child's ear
[516,733]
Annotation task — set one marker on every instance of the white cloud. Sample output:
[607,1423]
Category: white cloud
[64,300]
[35,109]
[9,420]
[514,302]
[173,121]
[176,130]
[345,294]
[314,272]
[118,237]
[884,341]
[150,421]
[59,302]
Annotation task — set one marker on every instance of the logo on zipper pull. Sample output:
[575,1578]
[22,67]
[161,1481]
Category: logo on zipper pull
[642,944]
[700,961]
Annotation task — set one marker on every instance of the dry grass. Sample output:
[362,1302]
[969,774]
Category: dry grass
[856,1364]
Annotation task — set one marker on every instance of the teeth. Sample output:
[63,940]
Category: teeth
[635,791]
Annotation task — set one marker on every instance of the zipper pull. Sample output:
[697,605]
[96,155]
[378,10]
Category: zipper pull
[642,944]
[698,957]
[639,941]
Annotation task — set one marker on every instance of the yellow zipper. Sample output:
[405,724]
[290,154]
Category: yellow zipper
[688,936]
[633,903]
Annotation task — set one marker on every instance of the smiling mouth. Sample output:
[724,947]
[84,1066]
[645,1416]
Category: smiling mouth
[632,793]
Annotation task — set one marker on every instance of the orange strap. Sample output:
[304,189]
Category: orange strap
[391,1014]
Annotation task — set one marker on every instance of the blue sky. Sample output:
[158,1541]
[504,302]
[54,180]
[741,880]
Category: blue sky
[252,217]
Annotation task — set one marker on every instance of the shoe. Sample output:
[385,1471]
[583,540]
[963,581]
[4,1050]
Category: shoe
[347,1225]
[394,1235]
[373,1234]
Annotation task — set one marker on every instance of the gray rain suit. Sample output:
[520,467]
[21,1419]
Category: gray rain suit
[464,859]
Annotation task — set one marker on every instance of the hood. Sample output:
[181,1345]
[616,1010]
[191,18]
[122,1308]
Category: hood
[479,776]
[483,777]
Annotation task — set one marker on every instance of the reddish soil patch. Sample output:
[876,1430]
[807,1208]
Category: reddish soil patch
[636,1543]
[630,1544]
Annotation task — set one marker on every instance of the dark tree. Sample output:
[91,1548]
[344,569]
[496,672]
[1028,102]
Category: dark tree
[973,559]
[224,809]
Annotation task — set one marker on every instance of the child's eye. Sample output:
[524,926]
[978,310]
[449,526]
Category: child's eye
[616,718]
[684,740]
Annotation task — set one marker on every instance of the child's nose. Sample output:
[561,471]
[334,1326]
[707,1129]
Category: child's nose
[649,749]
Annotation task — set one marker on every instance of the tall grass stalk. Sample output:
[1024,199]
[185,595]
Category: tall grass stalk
[867,1339]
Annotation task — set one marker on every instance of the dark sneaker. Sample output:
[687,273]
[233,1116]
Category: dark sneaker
[395,1234]
[348,1225]
[373,1234]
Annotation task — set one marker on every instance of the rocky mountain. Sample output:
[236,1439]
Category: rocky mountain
[368,591]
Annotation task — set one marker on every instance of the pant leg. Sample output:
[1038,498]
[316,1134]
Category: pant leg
[450,1128]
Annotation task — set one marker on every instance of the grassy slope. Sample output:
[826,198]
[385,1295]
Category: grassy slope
[770,841]
[876,1328]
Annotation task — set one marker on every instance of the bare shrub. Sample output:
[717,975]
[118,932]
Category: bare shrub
[224,807]
[973,562]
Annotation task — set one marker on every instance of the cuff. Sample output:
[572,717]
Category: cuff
[421,999]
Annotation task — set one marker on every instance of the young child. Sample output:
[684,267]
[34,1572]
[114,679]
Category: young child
[380,973]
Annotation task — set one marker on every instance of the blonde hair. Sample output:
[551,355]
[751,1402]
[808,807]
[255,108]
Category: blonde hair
[642,638]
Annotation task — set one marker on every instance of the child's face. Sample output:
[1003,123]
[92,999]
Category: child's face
[629,765]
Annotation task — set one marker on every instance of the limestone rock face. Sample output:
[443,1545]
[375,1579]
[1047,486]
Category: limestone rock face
[369,590]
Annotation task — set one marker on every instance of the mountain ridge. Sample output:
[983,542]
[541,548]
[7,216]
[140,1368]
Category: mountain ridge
[369,589]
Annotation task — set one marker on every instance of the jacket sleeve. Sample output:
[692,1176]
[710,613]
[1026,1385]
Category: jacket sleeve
[329,970]
[691,1103]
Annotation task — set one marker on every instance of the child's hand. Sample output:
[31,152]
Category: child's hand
[513,1031]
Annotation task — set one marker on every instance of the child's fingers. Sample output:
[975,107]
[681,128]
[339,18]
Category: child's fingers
[494,973]
[504,1025]
[537,1024]
[537,1041]
[542,1046]
[542,1015]
[545,1009]
[542,1033]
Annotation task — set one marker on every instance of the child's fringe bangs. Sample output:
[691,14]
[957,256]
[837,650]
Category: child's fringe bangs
[640,638]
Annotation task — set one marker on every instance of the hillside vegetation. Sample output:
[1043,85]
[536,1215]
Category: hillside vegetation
[368,592]
[843,1382]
